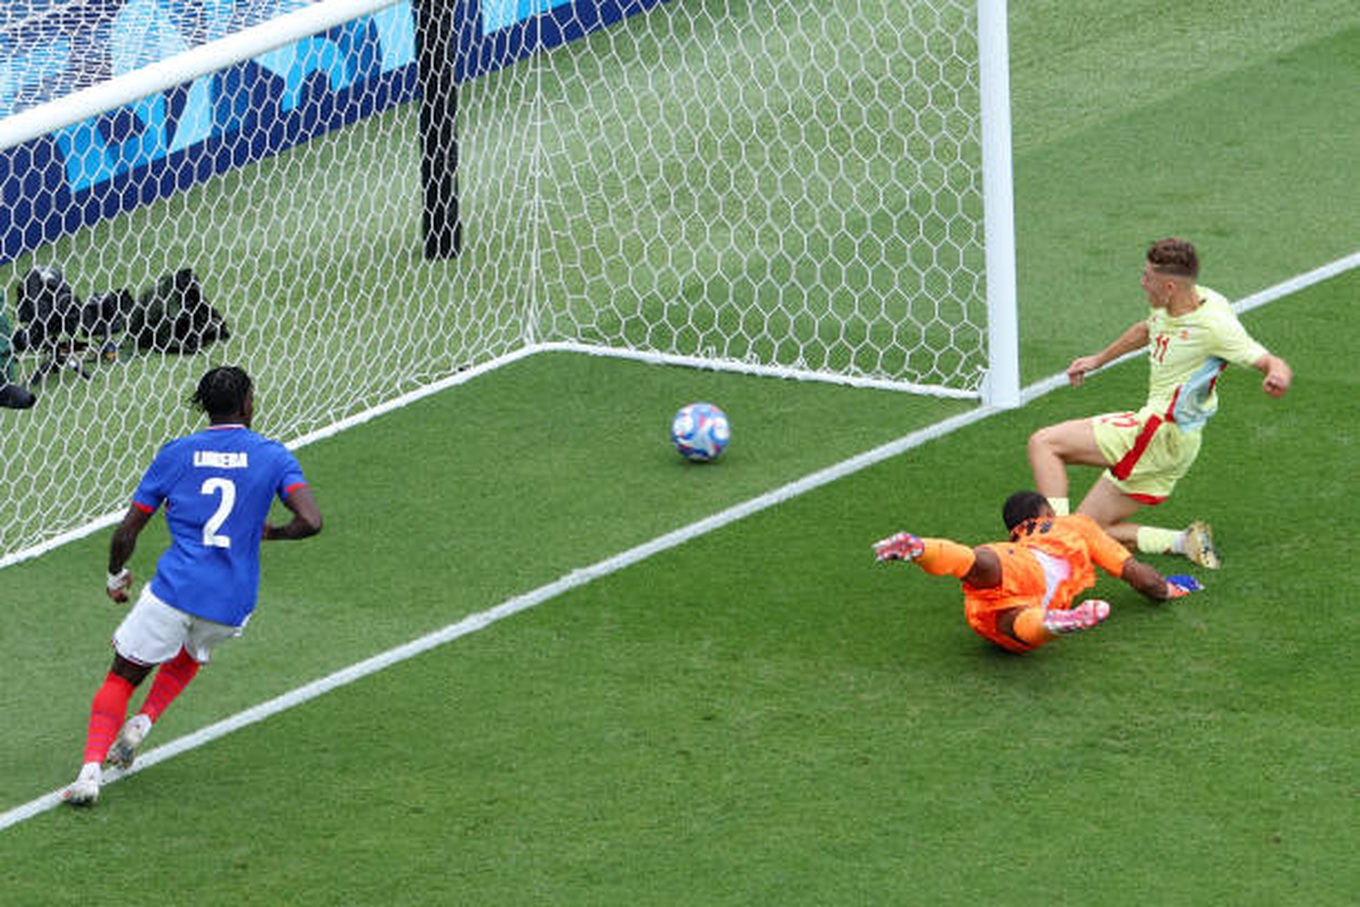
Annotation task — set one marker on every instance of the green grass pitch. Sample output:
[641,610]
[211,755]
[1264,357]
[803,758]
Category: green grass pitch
[762,715]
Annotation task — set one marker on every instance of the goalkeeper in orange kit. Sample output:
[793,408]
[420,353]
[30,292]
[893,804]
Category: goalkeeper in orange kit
[1019,593]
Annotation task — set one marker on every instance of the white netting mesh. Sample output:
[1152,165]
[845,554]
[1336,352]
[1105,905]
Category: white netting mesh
[794,188]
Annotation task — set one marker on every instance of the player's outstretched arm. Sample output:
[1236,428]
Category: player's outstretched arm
[902,546]
[1135,338]
[1148,581]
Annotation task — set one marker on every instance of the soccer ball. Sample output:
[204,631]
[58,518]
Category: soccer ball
[700,432]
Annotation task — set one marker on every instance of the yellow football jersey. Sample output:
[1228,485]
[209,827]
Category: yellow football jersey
[1187,353]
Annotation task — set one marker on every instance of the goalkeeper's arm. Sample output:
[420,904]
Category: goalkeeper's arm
[1148,581]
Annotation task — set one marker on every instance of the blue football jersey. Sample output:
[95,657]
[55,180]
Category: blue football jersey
[217,486]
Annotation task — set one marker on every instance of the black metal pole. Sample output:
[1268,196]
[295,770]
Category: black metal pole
[436,47]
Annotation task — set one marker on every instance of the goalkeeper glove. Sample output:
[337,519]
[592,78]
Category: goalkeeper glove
[1182,585]
[900,547]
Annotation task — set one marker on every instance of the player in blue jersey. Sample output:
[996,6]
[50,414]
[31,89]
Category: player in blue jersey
[217,487]
[1192,336]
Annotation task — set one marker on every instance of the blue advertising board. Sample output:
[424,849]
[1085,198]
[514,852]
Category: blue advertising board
[165,143]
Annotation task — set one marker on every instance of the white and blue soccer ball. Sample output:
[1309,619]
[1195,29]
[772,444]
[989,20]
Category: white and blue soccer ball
[700,432]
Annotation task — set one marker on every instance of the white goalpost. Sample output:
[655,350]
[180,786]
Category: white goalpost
[817,191]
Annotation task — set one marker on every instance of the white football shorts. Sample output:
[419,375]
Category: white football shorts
[154,632]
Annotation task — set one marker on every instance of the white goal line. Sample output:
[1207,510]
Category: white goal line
[577,578]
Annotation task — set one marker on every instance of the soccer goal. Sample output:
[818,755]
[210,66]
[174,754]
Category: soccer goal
[819,191]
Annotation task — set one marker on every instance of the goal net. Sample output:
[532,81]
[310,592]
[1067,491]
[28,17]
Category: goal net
[782,189]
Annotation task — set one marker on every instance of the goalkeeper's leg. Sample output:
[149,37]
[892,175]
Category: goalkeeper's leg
[1023,628]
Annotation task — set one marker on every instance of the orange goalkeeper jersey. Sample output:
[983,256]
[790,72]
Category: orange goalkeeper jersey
[1048,562]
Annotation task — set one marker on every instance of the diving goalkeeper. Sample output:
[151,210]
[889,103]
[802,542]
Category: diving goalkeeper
[1019,593]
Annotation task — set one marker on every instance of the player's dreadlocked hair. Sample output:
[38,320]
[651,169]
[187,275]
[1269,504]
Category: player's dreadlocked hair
[1022,506]
[222,392]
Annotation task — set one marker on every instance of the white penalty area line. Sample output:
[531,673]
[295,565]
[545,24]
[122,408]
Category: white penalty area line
[585,575]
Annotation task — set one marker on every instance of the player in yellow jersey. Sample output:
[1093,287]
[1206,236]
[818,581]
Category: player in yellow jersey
[1019,593]
[1192,335]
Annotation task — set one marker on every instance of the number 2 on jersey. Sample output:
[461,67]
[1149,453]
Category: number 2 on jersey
[227,488]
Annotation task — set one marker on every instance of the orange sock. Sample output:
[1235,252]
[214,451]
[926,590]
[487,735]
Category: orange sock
[106,716]
[943,556]
[171,679]
[1029,627]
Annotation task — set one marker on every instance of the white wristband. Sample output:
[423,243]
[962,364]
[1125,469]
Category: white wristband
[118,580]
